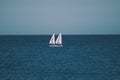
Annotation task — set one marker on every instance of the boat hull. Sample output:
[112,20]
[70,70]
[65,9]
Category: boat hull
[56,45]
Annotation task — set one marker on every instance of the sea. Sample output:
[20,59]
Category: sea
[82,57]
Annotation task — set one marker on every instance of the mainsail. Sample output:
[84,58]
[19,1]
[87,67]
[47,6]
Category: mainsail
[59,39]
[52,40]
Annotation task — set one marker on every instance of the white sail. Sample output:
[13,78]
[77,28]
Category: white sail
[52,40]
[59,39]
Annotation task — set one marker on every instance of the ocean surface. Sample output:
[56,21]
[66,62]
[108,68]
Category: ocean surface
[82,57]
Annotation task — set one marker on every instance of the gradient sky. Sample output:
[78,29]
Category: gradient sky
[54,16]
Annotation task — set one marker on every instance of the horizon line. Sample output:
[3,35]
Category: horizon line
[55,34]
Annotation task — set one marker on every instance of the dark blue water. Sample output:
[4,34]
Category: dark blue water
[82,57]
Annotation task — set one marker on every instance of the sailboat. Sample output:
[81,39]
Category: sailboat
[58,42]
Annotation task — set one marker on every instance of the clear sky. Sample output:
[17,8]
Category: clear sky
[54,16]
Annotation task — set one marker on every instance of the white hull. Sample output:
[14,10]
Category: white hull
[55,45]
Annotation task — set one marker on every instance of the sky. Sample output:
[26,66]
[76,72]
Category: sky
[36,17]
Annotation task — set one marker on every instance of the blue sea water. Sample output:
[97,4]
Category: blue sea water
[82,57]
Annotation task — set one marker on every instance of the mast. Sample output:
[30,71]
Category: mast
[52,40]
